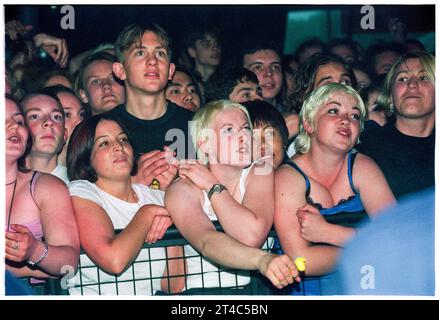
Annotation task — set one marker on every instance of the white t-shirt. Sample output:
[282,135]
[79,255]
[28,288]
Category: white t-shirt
[136,280]
[61,172]
[204,273]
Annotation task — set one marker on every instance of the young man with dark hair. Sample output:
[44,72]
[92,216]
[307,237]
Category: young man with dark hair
[153,123]
[236,84]
[203,46]
[265,61]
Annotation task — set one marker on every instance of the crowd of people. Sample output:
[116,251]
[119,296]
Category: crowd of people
[132,137]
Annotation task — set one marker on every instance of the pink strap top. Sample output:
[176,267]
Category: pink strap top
[35,225]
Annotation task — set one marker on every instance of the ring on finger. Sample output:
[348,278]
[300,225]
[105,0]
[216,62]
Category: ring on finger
[15,246]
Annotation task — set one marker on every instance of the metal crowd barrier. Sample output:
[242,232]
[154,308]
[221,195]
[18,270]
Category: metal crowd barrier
[130,284]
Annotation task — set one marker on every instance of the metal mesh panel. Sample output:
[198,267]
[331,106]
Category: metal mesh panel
[142,277]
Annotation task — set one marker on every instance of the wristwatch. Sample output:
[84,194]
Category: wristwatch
[216,188]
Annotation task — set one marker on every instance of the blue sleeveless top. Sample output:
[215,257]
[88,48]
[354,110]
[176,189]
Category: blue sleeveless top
[348,212]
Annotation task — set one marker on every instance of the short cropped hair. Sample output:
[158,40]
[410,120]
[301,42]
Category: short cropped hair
[252,47]
[221,84]
[313,104]
[56,90]
[201,123]
[132,35]
[80,148]
[42,92]
[263,113]
[427,61]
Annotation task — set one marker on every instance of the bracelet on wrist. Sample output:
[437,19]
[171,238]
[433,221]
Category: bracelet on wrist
[41,258]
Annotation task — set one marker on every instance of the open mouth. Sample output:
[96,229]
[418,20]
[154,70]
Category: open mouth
[15,139]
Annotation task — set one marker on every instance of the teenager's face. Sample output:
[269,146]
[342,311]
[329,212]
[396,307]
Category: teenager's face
[207,51]
[245,91]
[267,141]
[182,92]
[16,131]
[101,91]
[331,73]
[112,154]
[73,110]
[147,66]
[46,123]
[266,64]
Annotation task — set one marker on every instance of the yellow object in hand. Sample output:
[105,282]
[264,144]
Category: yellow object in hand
[155,184]
[300,263]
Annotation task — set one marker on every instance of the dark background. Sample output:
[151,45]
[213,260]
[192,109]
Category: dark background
[101,23]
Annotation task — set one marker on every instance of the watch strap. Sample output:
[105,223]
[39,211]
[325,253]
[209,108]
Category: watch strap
[216,188]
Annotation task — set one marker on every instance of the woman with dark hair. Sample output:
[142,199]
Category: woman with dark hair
[270,132]
[319,70]
[41,236]
[100,164]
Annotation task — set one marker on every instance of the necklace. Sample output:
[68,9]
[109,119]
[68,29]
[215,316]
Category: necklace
[12,203]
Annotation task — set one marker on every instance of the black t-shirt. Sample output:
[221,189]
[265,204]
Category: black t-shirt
[407,162]
[171,129]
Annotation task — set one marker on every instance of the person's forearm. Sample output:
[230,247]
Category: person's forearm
[124,248]
[339,235]
[238,221]
[320,259]
[57,261]
[229,252]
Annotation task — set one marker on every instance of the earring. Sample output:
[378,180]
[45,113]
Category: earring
[391,109]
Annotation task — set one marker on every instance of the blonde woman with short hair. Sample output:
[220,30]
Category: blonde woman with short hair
[224,186]
[326,189]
